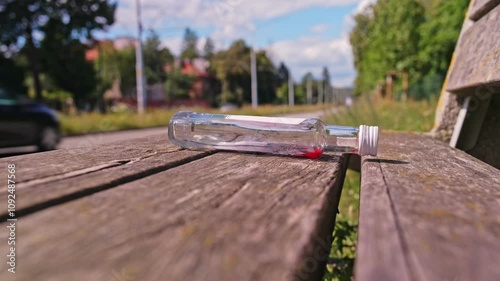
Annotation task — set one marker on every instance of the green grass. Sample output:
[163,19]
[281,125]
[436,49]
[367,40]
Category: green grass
[96,123]
[388,115]
[343,252]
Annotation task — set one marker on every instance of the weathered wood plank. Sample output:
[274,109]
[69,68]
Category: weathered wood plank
[446,205]
[380,254]
[482,7]
[228,216]
[64,161]
[101,168]
[477,60]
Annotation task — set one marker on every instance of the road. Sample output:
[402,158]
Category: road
[105,138]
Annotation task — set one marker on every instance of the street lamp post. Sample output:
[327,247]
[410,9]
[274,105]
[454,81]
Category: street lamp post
[253,59]
[139,65]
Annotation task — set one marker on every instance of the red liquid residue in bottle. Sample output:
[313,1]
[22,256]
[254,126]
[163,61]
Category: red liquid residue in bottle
[313,154]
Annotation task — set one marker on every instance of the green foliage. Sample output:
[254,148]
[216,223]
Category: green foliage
[439,35]
[63,60]
[11,76]
[113,64]
[232,68]
[414,36]
[21,18]
[155,58]
[416,116]
[384,39]
[208,49]
[343,250]
[282,94]
[266,79]
[189,45]
[282,75]
[178,85]
[24,19]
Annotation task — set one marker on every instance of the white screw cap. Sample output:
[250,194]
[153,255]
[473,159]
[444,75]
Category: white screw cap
[368,140]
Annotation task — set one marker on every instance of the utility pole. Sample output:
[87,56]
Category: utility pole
[253,62]
[139,65]
[309,93]
[291,90]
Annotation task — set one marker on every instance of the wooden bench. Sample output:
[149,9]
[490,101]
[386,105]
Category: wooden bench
[146,210]
[430,212]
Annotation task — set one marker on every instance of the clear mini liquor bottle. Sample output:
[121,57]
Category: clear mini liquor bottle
[276,135]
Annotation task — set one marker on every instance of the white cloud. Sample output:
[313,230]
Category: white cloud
[234,19]
[363,4]
[229,17]
[349,20]
[319,28]
[311,53]
[174,44]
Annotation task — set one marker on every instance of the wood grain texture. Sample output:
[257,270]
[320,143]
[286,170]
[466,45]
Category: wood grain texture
[481,8]
[477,63]
[446,206]
[63,161]
[102,168]
[227,216]
[380,253]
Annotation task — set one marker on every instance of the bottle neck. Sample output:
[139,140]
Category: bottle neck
[341,138]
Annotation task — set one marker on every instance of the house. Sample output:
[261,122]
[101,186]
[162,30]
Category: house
[204,89]
[202,92]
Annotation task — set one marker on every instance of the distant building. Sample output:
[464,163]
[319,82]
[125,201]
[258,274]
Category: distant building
[204,86]
[202,92]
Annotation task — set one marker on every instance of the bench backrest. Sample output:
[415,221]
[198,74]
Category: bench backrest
[468,113]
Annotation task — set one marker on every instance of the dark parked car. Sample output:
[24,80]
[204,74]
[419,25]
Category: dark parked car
[25,122]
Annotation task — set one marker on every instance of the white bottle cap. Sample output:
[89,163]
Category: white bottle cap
[368,140]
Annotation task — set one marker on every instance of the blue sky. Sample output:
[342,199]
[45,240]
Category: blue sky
[306,35]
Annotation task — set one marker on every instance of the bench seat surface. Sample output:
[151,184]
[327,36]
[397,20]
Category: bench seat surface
[428,212]
[146,210]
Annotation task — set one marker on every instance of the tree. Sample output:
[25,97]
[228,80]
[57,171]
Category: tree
[208,49]
[360,45]
[282,75]
[266,79]
[385,39]
[112,65]
[11,76]
[232,68]
[189,45]
[24,19]
[155,58]
[178,85]
[64,62]
[326,84]
[440,34]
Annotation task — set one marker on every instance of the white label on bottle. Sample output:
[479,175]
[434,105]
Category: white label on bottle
[276,120]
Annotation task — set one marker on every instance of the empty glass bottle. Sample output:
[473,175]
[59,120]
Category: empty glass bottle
[277,135]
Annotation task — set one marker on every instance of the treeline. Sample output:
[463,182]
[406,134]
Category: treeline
[416,37]
[44,47]
[229,70]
